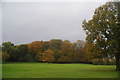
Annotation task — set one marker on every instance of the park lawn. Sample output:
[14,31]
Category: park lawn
[45,70]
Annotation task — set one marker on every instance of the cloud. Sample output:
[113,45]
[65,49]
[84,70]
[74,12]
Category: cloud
[25,22]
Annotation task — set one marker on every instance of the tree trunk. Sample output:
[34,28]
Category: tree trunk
[118,53]
[118,62]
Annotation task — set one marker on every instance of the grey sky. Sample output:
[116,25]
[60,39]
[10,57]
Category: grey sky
[24,22]
[0,22]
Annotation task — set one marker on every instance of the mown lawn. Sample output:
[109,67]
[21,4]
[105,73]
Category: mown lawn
[44,70]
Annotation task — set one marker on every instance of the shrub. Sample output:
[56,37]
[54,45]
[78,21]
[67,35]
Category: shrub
[97,61]
[103,62]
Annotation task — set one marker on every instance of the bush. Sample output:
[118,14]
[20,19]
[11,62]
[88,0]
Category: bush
[103,62]
[97,61]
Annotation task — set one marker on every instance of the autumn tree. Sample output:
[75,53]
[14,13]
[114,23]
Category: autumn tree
[66,52]
[103,32]
[40,57]
[46,45]
[55,46]
[47,56]
[35,48]
[77,51]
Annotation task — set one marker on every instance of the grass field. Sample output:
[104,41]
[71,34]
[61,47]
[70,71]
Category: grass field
[44,70]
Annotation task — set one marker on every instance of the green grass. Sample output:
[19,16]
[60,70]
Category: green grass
[44,70]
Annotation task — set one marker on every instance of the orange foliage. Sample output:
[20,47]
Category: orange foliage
[47,56]
[35,46]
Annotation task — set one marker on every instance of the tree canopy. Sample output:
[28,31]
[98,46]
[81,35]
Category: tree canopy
[103,31]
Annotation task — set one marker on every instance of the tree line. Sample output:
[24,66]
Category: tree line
[55,50]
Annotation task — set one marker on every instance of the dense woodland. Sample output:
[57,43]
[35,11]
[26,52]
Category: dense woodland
[55,50]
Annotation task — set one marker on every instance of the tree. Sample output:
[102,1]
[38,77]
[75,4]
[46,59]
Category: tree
[10,49]
[13,51]
[79,44]
[22,52]
[78,54]
[49,56]
[55,44]
[0,54]
[103,32]
[0,48]
[56,55]
[5,56]
[35,48]
[46,45]
[6,46]
[66,52]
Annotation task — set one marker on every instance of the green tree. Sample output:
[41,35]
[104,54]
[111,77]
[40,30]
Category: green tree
[5,56]
[22,52]
[103,32]
[55,44]
[6,46]
[10,49]
[0,48]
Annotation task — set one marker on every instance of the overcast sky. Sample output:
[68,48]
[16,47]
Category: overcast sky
[25,22]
